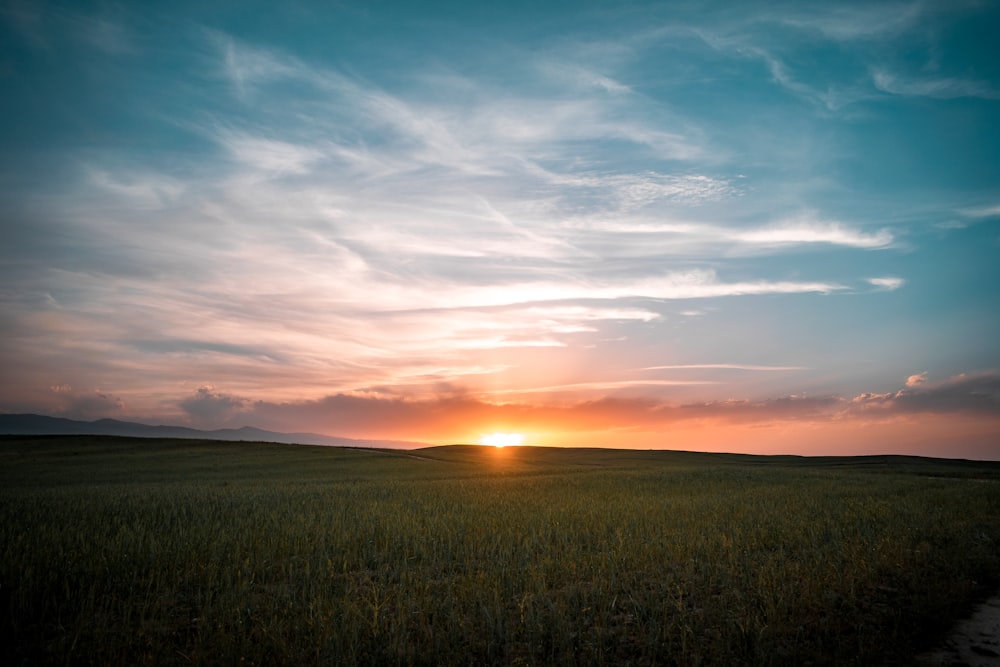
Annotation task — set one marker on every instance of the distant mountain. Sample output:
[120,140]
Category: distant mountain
[27,424]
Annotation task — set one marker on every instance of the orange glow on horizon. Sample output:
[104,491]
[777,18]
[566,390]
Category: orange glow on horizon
[500,440]
[624,425]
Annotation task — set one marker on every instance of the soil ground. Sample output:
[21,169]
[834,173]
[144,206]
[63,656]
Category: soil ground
[974,642]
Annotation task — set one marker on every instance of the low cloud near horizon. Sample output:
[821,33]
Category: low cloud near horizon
[417,419]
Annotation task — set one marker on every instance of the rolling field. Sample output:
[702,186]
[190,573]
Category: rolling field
[128,551]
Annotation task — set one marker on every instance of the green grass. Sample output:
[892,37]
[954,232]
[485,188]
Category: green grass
[127,551]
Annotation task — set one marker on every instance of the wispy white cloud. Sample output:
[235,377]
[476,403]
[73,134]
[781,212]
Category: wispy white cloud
[576,75]
[982,211]
[694,284]
[858,22]
[811,230]
[144,191]
[780,73]
[628,192]
[249,67]
[481,136]
[887,283]
[707,238]
[937,87]
[270,155]
[772,38]
[741,42]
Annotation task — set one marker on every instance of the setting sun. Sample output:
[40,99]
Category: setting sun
[502,439]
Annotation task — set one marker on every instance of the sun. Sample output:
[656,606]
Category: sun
[502,439]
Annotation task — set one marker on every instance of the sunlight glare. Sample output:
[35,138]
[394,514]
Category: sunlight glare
[502,439]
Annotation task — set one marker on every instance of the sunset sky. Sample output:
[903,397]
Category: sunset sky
[744,226]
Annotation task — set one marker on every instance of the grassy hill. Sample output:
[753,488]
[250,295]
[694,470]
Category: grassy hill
[138,551]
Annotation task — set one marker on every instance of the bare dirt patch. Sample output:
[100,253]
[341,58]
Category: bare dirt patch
[974,642]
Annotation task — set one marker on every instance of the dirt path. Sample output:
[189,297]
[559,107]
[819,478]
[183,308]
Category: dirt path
[974,642]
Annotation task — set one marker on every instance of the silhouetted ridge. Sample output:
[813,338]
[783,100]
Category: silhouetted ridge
[31,424]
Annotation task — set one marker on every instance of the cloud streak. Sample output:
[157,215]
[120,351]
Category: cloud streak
[888,283]
[941,88]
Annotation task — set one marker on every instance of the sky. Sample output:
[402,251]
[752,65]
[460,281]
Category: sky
[766,227]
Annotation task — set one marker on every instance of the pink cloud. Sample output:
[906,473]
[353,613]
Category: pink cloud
[85,404]
[211,408]
[971,394]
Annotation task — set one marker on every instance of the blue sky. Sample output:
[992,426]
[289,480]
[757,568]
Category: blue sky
[746,226]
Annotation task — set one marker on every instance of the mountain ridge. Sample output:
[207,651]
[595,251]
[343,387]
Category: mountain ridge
[35,424]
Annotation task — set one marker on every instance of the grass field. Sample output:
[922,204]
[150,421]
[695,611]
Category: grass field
[125,551]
